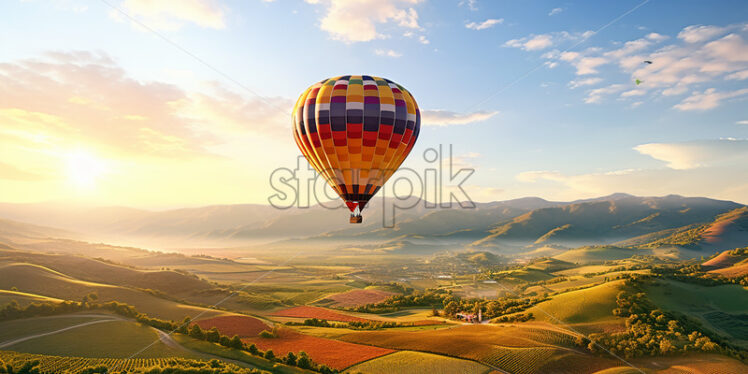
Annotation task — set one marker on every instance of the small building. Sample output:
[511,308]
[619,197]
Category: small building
[470,317]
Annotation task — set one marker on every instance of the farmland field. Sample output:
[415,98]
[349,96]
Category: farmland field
[358,297]
[333,353]
[316,312]
[56,364]
[589,305]
[243,326]
[405,362]
[499,346]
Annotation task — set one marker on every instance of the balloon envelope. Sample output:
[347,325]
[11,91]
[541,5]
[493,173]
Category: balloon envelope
[356,130]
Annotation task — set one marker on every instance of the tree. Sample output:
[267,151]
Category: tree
[236,342]
[253,349]
[270,355]
[290,359]
[196,332]
[266,334]
[451,308]
[305,362]
[183,328]
[212,335]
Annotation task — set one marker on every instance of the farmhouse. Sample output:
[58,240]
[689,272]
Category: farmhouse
[470,317]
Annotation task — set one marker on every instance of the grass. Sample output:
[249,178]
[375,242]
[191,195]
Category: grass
[114,339]
[405,362]
[15,329]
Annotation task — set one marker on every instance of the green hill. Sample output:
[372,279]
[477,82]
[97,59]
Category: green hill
[589,309]
[596,254]
[721,308]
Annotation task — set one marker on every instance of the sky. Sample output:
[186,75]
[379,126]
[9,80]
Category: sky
[160,104]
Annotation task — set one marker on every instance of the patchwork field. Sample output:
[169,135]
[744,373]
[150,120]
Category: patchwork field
[357,297]
[335,354]
[316,312]
[512,348]
[243,326]
[406,362]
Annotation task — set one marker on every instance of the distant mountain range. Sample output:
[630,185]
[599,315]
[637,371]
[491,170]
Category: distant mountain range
[521,224]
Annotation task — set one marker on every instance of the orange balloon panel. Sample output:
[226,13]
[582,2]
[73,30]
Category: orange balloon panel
[356,130]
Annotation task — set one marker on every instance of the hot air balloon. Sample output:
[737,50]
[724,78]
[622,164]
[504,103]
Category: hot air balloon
[356,130]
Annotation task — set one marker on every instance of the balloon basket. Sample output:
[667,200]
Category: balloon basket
[357,219]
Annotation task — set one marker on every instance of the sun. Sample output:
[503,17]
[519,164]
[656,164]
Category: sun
[84,169]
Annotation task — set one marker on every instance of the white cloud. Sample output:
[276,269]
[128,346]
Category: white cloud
[698,33]
[555,11]
[657,37]
[740,75]
[533,43]
[708,99]
[471,4]
[744,122]
[67,98]
[695,154]
[584,82]
[387,52]
[353,21]
[538,42]
[487,24]
[596,96]
[634,92]
[170,15]
[701,54]
[446,118]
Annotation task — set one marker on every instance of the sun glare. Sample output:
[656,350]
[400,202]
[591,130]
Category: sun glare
[84,169]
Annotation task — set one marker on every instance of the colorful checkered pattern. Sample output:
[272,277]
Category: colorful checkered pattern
[356,130]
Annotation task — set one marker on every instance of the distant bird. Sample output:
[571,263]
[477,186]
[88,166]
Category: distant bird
[638,82]
[648,62]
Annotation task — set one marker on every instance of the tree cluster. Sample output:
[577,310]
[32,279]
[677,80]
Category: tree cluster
[651,331]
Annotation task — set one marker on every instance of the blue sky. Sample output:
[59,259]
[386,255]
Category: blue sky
[538,96]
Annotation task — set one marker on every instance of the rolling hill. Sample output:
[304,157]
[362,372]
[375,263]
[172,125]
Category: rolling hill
[513,226]
[604,220]
[726,231]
